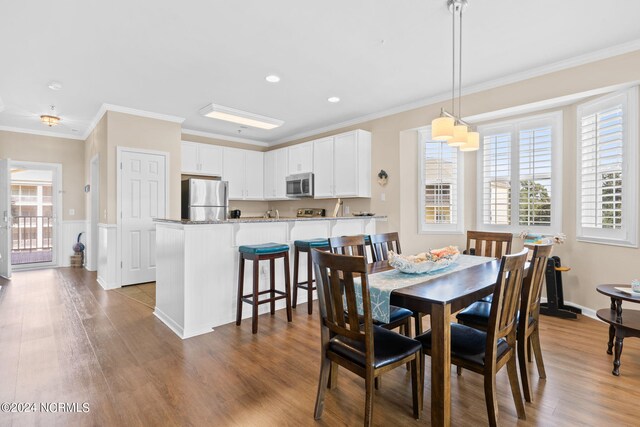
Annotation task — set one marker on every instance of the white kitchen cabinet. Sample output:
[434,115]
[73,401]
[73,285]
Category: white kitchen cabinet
[323,167]
[275,173]
[254,166]
[201,159]
[301,158]
[269,175]
[243,169]
[210,159]
[342,165]
[190,163]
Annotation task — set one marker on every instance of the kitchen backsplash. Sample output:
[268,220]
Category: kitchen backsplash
[290,207]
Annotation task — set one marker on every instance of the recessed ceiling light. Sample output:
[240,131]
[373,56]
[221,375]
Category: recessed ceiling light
[55,85]
[333,99]
[229,114]
[272,78]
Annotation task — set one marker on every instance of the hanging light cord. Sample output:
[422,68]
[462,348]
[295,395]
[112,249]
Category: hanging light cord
[453,61]
[460,68]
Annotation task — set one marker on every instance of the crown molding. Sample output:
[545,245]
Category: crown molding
[225,137]
[41,133]
[126,110]
[575,61]
[92,125]
[548,104]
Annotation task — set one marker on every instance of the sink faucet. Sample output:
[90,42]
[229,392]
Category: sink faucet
[270,212]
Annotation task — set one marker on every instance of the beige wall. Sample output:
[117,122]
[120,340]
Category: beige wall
[67,152]
[394,149]
[125,130]
[96,144]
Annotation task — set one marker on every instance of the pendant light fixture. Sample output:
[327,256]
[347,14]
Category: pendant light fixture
[50,119]
[450,127]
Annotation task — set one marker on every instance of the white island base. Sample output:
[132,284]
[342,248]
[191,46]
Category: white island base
[197,266]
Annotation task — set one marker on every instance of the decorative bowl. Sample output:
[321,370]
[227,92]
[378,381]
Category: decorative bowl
[426,262]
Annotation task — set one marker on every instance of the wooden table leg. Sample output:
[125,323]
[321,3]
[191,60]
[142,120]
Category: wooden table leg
[440,365]
[618,353]
[612,330]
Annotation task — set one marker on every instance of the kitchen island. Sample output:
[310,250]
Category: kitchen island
[197,264]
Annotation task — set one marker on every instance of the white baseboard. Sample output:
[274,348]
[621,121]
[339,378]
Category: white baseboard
[171,324]
[106,285]
[586,311]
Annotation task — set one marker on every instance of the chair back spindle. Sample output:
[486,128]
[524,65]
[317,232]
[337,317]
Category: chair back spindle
[335,276]
[489,244]
[506,299]
[532,284]
[383,243]
[348,245]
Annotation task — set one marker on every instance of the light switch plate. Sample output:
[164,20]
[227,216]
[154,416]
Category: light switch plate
[383,197]
[72,212]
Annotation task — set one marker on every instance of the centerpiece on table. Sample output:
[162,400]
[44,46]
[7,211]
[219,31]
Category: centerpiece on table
[540,239]
[425,262]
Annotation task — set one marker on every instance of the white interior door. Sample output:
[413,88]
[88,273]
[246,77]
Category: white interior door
[5,219]
[143,196]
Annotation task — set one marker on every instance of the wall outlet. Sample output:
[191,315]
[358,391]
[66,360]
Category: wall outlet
[347,210]
[383,197]
[72,212]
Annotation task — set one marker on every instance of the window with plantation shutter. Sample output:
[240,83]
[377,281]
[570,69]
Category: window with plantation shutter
[440,198]
[607,163]
[519,168]
[535,176]
[496,180]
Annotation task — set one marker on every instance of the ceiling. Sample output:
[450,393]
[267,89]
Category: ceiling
[173,58]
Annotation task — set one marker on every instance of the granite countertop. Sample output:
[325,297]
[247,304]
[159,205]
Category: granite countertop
[259,220]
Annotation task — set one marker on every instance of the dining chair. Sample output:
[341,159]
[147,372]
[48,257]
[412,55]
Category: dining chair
[486,243]
[528,333]
[356,246]
[353,341]
[383,243]
[486,352]
[349,245]
[490,244]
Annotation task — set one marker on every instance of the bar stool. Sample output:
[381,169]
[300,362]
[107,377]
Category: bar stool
[305,246]
[257,253]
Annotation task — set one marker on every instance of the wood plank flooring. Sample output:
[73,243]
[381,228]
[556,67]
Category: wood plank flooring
[64,339]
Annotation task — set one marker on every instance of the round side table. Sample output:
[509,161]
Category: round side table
[622,323]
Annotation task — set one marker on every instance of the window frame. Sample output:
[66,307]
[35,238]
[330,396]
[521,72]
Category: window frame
[514,126]
[424,135]
[628,234]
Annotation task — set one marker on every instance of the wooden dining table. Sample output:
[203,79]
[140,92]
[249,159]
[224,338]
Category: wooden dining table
[439,297]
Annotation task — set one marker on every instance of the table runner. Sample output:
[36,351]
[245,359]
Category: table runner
[382,284]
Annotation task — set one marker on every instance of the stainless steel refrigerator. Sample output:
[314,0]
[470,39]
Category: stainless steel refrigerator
[204,199]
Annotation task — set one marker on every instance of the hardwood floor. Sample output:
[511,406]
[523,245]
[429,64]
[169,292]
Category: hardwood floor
[64,339]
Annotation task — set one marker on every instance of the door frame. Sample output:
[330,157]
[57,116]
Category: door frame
[119,151]
[93,233]
[56,195]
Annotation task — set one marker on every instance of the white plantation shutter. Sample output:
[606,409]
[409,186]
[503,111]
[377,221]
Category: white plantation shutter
[607,163]
[440,206]
[519,166]
[496,183]
[535,176]
[441,187]
[601,173]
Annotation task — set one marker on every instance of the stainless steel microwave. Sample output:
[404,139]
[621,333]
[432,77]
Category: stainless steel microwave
[300,185]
